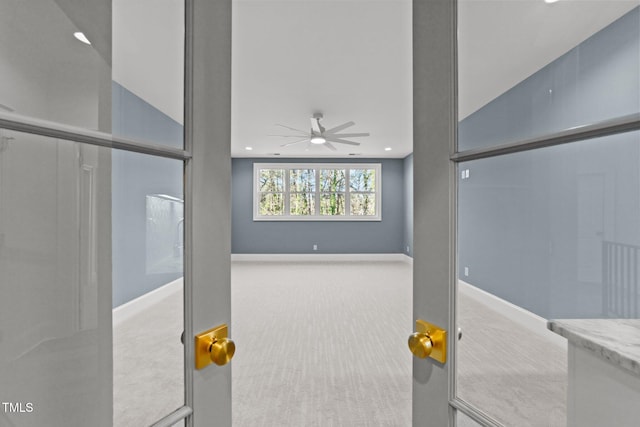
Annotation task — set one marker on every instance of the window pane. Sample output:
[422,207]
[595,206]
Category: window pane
[165,229]
[302,204]
[362,179]
[332,180]
[332,204]
[302,180]
[271,204]
[553,76]
[363,204]
[271,180]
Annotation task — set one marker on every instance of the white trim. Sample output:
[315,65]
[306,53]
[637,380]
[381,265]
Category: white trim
[317,193]
[129,309]
[519,315]
[54,130]
[317,257]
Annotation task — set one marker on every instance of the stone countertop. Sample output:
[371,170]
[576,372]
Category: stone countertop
[616,341]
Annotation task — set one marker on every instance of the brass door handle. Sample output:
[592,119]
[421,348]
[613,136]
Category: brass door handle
[429,341]
[213,346]
[221,351]
[420,344]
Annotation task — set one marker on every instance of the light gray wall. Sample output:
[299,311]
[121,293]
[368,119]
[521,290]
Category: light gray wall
[134,177]
[295,237]
[531,225]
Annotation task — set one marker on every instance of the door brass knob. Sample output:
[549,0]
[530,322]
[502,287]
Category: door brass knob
[221,351]
[429,340]
[420,344]
[214,346]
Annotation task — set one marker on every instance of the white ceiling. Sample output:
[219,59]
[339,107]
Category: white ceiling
[351,60]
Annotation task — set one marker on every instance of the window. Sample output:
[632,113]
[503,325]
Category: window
[317,192]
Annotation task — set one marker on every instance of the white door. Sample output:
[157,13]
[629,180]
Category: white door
[79,211]
[434,122]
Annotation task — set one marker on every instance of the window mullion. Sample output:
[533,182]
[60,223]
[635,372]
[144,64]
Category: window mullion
[316,195]
[347,192]
[287,195]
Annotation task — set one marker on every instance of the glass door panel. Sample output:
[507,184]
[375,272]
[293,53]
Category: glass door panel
[47,72]
[65,206]
[531,68]
[148,315]
[148,70]
[553,232]
[55,282]
[544,234]
[99,65]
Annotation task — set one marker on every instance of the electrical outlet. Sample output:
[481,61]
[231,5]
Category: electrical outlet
[407,249]
[315,247]
[466,271]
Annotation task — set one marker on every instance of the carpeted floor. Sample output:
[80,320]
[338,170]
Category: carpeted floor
[324,344]
[321,344]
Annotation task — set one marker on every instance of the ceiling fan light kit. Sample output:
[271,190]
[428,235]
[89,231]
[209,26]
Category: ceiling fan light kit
[317,140]
[318,135]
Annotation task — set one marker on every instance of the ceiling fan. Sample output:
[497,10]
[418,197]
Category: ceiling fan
[318,135]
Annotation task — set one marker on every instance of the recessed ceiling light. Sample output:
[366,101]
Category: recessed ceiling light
[248,148]
[318,140]
[80,36]
[387,149]
[550,1]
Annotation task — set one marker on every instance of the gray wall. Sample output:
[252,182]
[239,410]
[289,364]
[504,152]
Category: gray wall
[297,237]
[408,204]
[134,177]
[531,225]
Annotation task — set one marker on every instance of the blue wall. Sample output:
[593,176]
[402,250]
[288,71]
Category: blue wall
[408,204]
[531,225]
[295,237]
[134,176]
[596,80]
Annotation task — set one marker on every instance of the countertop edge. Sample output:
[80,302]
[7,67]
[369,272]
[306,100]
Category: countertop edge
[599,349]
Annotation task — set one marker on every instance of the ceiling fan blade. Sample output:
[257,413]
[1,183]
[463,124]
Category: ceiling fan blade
[350,135]
[315,125]
[294,142]
[342,141]
[339,128]
[304,132]
[287,136]
[330,146]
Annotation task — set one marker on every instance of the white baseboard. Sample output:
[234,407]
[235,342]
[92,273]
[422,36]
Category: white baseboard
[519,315]
[135,306]
[317,257]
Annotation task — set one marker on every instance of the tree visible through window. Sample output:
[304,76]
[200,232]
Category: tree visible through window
[272,191]
[317,191]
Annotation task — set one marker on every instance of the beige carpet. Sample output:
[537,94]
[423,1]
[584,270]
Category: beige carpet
[517,377]
[321,344]
[324,344]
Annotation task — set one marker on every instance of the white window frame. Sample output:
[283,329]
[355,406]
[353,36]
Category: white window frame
[317,167]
